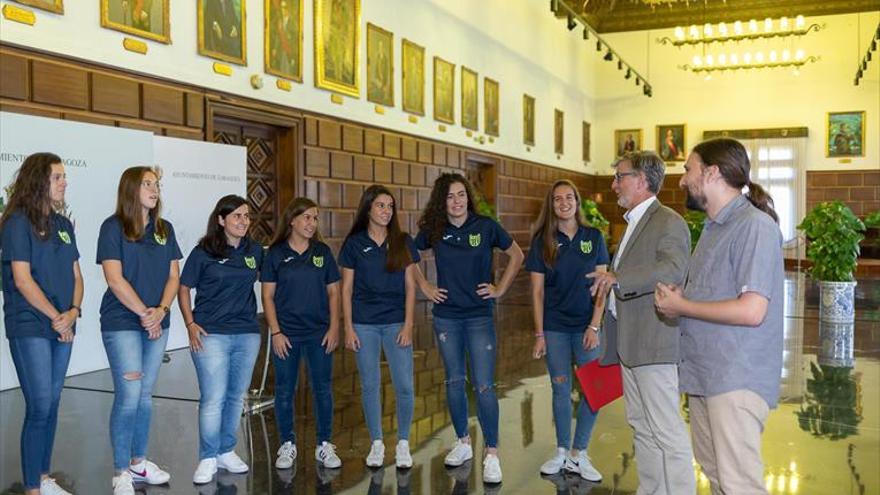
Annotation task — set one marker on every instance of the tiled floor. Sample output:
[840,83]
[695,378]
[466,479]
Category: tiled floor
[823,439]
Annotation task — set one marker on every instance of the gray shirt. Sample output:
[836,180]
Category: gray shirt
[739,251]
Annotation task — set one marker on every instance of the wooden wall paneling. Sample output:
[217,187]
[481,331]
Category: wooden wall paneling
[317,162]
[382,171]
[60,84]
[88,118]
[352,138]
[26,109]
[163,104]
[195,110]
[425,152]
[392,145]
[363,169]
[372,142]
[14,76]
[409,149]
[329,134]
[311,131]
[115,95]
[340,165]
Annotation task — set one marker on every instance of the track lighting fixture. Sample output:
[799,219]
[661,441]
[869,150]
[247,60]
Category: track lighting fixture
[598,46]
[586,34]
[628,74]
[608,56]
[571,24]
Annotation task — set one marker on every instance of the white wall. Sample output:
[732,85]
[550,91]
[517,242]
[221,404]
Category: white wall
[520,44]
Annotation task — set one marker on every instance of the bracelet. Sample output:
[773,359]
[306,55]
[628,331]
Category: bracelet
[190,323]
[275,333]
[79,310]
[165,309]
[593,328]
[539,335]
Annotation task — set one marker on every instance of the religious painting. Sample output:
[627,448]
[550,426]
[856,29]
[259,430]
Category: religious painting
[490,99]
[56,6]
[222,30]
[626,140]
[585,140]
[671,143]
[845,134]
[337,45]
[413,75]
[558,131]
[380,65]
[283,38]
[469,110]
[444,91]
[528,120]
[144,18]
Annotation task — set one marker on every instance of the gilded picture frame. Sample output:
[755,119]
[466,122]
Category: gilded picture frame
[626,140]
[151,22]
[845,134]
[585,141]
[412,58]
[444,91]
[558,131]
[56,6]
[491,102]
[671,144]
[528,120]
[222,30]
[469,97]
[337,45]
[380,65]
[283,38]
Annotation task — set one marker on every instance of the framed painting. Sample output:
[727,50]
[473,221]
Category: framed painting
[585,140]
[223,30]
[626,140]
[528,120]
[56,6]
[283,38]
[845,134]
[380,65]
[146,19]
[444,91]
[413,74]
[491,100]
[671,143]
[337,45]
[469,109]
[558,131]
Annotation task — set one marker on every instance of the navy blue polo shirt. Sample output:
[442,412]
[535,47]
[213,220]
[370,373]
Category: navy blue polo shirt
[301,302]
[51,263]
[225,301]
[379,296]
[464,260]
[146,263]
[568,306]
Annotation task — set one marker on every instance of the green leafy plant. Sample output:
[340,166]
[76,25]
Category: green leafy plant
[830,404]
[486,208]
[590,212]
[872,221]
[695,221]
[833,232]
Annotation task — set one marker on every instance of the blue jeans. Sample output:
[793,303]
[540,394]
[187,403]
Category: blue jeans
[134,363]
[224,367]
[375,338]
[41,364]
[563,350]
[476,337]
[286,376]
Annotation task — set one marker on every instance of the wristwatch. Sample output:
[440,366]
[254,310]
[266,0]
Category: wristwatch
[594,328]
[164,309]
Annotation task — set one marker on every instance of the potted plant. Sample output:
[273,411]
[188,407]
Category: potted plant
[592,215]
[695,220]
[833,232]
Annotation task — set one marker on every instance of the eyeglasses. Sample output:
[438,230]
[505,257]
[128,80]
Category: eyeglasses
[620,175]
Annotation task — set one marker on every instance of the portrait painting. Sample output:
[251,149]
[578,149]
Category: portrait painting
[585,139]
[283,38]
[144,18]
[56,6]
[222,30]
[558,131]
[469,110]
[670,142]
[380,65]
[413,74]
[490,98]
[337,45]
[845,134]
[444,91]
[626,140]
[528,120]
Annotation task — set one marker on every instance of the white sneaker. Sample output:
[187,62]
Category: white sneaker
[555,463]
[491,469]
[571,465]
[326,455]
[286,455]
[149,473]
[206,471]
[123,484]
[377,454]
[402,457]
[586,469]
[49,487]
[461,452]
[231,462]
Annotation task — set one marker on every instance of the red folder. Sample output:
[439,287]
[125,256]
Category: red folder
[601,384]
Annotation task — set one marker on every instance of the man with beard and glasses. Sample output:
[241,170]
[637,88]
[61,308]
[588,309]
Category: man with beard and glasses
[731,316]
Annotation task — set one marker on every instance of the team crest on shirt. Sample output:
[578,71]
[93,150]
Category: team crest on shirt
[586,247]
[318,261]
[474,239]
[251,262]
[160,240]
[64,236]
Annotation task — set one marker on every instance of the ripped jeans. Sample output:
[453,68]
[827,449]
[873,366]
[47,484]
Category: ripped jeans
[476,337]
[565,349]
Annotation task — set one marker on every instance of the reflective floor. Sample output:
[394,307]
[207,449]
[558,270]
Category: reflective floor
[823,439]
